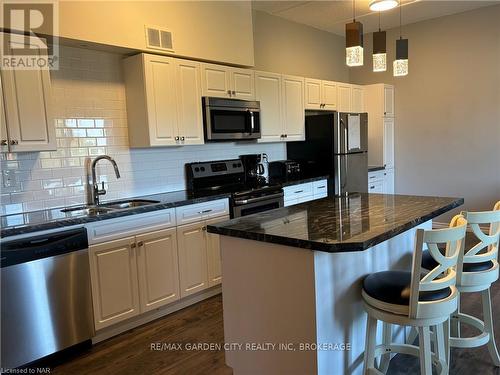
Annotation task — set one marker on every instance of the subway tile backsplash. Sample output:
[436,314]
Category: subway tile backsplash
[90,117]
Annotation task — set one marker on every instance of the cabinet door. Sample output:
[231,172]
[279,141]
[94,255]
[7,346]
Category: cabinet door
[388,101]
[215,80]
[113,270]
[358,99]
[27,95]
[192,249]
[389,181]
[190,118]
[243,84]
[161,99]
[293,108]
[213,254]
[344,97]
[268,93]
[4,136]
[158,269]
[389,142]
[313,94]
[329,95]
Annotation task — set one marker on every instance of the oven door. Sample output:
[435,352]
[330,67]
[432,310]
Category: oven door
[226,123]
[245,207]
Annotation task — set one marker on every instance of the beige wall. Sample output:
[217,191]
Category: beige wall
[287,47]
[447,131]
[216,31]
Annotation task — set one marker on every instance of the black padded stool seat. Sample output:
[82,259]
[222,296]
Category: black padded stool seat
[394,287]
[429,263]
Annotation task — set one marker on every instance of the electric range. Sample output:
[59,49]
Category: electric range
[247,195]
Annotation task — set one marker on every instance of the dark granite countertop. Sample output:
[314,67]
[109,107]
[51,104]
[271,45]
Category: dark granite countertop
[374,168]
[29,222]
[338,224]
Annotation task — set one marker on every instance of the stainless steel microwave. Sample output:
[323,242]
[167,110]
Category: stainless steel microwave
[231,119]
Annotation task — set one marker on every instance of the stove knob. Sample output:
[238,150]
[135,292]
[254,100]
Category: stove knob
[235,165]
[197,169]
[239,164]
[202,169]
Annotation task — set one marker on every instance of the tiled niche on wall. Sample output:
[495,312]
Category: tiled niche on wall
[89,107]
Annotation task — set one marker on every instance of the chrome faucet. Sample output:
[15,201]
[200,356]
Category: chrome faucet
[96,192]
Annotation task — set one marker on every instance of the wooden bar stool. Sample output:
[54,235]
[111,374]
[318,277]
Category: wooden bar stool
[417,300]
[480,270]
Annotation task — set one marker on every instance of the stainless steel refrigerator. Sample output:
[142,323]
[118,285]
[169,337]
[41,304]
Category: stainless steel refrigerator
[336,145]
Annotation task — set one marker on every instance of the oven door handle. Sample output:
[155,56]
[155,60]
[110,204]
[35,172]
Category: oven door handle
[259,199]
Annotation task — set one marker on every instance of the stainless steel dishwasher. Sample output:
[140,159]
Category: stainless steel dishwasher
[46,296]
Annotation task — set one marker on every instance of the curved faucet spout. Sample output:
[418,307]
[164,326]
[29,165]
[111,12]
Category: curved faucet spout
[95,186]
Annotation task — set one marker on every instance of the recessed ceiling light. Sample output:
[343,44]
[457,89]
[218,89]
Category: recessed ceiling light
[381,5]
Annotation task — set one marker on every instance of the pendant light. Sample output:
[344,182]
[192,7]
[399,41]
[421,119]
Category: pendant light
[381,5]
[400,65]
[354,40]
[379,49]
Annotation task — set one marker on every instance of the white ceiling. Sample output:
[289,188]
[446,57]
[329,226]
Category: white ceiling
[332,16]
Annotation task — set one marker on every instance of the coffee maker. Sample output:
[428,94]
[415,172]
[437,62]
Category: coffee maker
[256,169]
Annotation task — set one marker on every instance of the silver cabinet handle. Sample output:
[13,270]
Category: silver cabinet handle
[14,142]
[177,138]
[140,244]
[133,245]
[320,187]
[229,92]
[372,187]
[286,135]
[182,139]
[204,211]
[298,191]
[234,93]
[203,228]
[3,142]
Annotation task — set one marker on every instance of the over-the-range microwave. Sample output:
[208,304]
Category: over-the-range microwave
[231,119]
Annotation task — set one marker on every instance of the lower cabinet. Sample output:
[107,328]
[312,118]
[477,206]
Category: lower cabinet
[381,181]
[213,255]
[115,287]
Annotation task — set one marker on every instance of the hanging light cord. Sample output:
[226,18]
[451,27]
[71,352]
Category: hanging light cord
[354,10]
[379,29]
[400,20]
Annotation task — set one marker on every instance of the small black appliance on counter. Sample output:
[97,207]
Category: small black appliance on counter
[284,170]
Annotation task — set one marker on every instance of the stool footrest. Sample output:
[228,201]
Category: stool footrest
[470,342]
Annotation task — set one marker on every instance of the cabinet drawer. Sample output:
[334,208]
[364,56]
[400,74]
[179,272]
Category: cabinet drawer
[112,229]
[298,191]
[320,189]
[376,187]
[201,211]
[376,175]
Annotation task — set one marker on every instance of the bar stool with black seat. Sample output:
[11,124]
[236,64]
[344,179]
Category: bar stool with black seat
[480,270]
[415,299]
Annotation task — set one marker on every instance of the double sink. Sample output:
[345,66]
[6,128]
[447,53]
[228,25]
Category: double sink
[107,207]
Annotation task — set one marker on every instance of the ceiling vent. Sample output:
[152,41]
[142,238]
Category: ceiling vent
[158,38]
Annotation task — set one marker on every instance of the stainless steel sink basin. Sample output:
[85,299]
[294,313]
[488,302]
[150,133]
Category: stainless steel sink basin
[121,205]
[86,210]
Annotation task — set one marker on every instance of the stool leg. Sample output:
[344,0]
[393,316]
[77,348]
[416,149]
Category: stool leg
[440,344]
[455,323]
[424,339]
[371,336]
[412,336]
[488,326]
[386,340]
[446,329]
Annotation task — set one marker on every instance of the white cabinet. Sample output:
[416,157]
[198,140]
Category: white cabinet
[320,94]
[163,101]
[193,270]
[379,103]
[389,181]
[357,99]
[115,289]
[308,191]
[293,108]
[4,136]
[199,257]
[268,93]
[282,113]
[381,181]
[344,97]
[227,82]
[27,123]
[158,269]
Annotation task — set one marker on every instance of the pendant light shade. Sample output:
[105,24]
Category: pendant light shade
[354,43]
[379,50]
[401,63]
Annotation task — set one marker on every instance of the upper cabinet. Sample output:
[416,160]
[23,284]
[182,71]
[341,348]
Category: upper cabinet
[26,119]
[344,93]
[357,99]
[227,82]
[282,107]
[163,101]
[320,94]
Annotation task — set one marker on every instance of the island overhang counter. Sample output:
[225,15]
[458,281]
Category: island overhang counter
[292,278]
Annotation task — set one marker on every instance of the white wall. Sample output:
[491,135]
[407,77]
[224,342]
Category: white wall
[90,112]
[447,132]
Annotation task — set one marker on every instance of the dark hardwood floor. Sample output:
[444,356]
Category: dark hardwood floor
[130,353]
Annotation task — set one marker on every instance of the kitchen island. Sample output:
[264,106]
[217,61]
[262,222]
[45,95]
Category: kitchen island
[292,278]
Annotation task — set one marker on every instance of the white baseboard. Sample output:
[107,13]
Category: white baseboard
[137,321]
